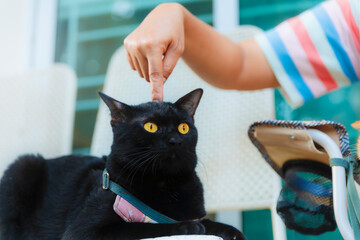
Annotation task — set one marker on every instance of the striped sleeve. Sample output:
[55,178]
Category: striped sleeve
[315,52]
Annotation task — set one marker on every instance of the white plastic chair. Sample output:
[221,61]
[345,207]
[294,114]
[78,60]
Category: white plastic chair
[283,143]
[234,175]
[37,113]
[339,182]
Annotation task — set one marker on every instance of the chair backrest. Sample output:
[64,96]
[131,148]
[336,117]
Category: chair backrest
[233,173]
[37,113]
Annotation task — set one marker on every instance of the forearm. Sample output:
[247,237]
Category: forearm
[170,32]
[222,62]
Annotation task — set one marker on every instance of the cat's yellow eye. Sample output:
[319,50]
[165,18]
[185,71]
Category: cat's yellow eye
[183,128]
[150,127]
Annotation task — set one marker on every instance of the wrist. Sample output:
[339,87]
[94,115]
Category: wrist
[173,8]
[173,11]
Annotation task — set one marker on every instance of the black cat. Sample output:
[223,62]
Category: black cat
[152,157]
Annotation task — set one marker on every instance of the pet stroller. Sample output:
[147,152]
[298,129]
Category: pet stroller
[321,178]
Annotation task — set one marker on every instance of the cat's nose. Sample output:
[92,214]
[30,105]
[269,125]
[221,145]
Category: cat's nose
[173,141]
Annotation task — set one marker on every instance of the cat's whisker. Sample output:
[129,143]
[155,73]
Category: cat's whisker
[137,155]
[139,163]
[130,165]
[200,164]
[154,167]
[139,158]
[149,163]
[134,166]
[137,168]
[203,166]
[132,154]
[129,171]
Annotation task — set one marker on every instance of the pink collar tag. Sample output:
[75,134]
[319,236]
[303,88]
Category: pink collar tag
[130,213]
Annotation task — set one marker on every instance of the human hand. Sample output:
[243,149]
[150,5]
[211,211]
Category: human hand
[154,48]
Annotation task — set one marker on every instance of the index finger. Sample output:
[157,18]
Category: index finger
[156,76]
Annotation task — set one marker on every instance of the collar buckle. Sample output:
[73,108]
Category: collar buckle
[106,180]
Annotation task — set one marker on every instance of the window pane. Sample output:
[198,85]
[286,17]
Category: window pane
[88,33]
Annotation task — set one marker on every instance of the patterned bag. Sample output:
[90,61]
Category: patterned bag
[305,203]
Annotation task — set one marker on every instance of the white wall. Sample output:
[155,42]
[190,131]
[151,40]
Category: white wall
[15,35]
[27,35]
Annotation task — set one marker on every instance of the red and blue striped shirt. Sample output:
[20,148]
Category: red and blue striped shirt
[315,52]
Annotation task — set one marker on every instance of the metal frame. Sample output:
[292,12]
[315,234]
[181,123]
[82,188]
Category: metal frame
[339,183]
[226,14]
[44,33]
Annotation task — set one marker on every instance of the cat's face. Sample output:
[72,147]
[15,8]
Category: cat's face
[155,138]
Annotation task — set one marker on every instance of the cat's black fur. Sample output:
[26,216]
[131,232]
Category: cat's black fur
[63,198]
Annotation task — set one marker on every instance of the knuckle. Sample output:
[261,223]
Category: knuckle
[155,76]
[131,45]
[156,95]
[155,43]
[149,44]
[155,92]
[126,42]
[137,47]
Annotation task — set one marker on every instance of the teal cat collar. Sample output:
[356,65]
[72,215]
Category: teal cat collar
[129,207]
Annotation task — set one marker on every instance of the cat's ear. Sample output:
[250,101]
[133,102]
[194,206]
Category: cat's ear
[119,111]
[190,101]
